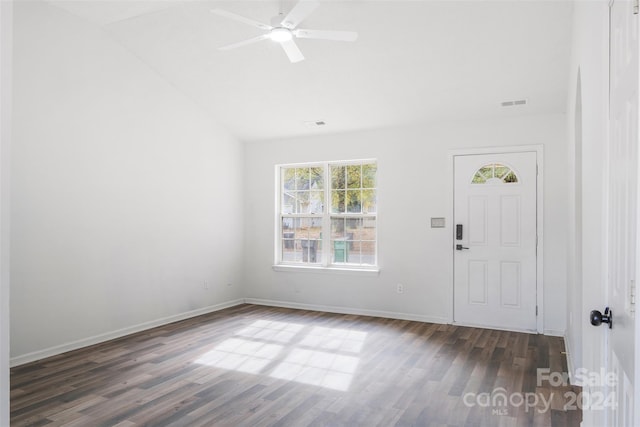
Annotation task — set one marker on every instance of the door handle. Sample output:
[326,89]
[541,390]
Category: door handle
[460,247]
[598,318]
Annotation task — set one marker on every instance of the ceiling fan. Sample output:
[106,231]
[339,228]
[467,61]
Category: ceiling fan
[285,30]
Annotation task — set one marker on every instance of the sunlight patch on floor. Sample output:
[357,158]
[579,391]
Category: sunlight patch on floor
[271,331]
[335,339]
[322,357]
[241,355]
[329,370]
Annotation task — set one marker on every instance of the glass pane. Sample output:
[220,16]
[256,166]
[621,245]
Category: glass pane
[501,170]
[369,204]
[369,175]
[315,228]
[353,255]
[511,177]
[353,228]
[316,202]
[288,244]
[294,254]
[297,233]
[340,250]
[354,201]
[302,178]
[287,225]
[302,201]
[338,177]
[288,202]
[486,171]
[337,201]
[368,253]
[317,178]
[301,228]
[478,178]
[309,251]
[368,231]
[287,233]
[337,228]
[353,176]
[288,178]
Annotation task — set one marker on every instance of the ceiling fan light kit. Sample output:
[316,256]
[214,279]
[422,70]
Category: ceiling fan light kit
[280,34]
[286,31]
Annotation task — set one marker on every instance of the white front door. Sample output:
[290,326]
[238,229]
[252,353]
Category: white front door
[622,213]
[495,240]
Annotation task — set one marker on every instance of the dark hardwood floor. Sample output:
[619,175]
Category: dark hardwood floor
[261,366]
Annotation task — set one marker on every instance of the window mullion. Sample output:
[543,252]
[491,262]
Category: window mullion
[279,216]
[326,219]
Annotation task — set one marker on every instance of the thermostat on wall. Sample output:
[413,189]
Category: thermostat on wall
[437,222]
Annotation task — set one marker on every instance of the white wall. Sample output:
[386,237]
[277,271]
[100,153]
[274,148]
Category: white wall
[587,256]
[410,252]
[6,21]
[125,196]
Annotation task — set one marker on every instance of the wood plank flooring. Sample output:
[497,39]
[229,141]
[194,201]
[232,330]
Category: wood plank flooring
[262,366]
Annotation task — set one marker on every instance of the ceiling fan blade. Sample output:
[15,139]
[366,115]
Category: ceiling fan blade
[299,12]
[291,49]
[245,42]
[347,36]
[239,18]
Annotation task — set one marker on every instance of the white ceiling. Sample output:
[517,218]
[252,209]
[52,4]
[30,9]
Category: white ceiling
[414,61]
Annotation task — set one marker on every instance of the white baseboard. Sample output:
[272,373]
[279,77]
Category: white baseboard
[74,345]
[495,328]
[554,333]
[347,310]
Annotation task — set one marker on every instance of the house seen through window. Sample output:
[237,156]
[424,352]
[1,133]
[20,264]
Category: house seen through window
[327,214]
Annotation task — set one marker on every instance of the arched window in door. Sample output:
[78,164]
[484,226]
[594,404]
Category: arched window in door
[495,173]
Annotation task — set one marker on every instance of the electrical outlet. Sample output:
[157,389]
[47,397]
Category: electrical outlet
[205,284]
[400,288]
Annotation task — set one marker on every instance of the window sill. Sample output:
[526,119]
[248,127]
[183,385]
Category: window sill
[373,271]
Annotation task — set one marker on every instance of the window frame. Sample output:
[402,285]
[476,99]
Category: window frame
[327,264]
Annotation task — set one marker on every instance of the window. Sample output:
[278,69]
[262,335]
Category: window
[494,173]
[327,214]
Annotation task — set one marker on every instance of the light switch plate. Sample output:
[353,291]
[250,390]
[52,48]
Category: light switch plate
[437,222]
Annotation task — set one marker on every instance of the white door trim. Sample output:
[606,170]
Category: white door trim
[539,150]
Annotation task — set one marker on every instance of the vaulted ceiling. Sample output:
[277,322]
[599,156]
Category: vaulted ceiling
[414,61]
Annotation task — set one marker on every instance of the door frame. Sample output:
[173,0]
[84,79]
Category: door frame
[539,150]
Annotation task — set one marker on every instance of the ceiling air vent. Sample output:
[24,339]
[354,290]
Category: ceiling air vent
[315,123]
[514,103]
